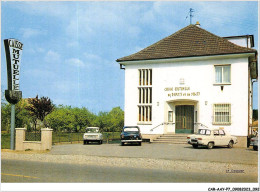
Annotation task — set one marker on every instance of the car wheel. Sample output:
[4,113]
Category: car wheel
[84,142]
[195,146]
[210,145]
[230,144]
[101,142]
[140,143]
[122,143]
[255,148]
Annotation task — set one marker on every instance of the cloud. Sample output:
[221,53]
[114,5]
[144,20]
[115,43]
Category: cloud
[97,62]
[92,57]
[67,89]
[75,62]
[52,57]
[73,43]
[29,32]
[94,19]
[63,86]
[35,50]
[224,20]
[56,9]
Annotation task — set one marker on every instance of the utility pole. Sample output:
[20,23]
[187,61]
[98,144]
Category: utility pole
[12,147]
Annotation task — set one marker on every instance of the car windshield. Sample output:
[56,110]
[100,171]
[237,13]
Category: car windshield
[131,129]
[92,130]
[204,132]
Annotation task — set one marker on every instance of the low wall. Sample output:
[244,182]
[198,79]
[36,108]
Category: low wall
[44,144]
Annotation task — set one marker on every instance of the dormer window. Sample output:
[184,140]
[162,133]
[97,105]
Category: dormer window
[222,74]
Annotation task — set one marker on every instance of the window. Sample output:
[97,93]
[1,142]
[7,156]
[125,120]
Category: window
[145,77]
[145,113]
[145,95]
[221,132]
[170,116]
[222,74]
[204,132]
[216,133]
[222,114]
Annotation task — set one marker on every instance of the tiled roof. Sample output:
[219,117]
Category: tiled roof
[187,42]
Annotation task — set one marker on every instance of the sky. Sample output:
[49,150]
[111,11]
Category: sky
[70,48]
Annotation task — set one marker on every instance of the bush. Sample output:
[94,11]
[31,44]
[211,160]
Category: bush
[5,140]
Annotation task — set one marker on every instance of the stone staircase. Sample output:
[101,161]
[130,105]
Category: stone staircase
[172,138]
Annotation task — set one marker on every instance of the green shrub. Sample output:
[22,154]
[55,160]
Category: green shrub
[5,140]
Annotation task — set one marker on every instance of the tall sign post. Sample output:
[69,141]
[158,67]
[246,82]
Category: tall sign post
[13,52]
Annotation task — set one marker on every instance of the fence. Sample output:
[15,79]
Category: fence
[33,135]
[77,137]
[45,142]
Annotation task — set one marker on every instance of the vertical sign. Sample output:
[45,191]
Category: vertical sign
[13,50]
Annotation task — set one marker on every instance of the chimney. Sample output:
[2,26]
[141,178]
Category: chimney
[197,24]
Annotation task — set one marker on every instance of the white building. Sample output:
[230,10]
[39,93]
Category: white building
[189,79]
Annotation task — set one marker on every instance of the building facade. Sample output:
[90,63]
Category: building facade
[189,80]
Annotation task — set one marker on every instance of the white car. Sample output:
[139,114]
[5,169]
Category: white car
[211,138]
[92,135]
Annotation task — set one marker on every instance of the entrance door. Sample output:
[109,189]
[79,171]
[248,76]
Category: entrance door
[184,119]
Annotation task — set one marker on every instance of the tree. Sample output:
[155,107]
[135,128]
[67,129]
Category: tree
[5,117]
[68,118]
[22,116]
[116,119]
[65,118]
[61,119]
[102,121]
[83,118]
[39,108]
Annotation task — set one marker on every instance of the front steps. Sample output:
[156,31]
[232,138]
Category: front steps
[172,138]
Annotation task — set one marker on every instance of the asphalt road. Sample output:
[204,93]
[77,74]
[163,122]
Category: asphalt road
[161,151]
[149,163]
[17,171]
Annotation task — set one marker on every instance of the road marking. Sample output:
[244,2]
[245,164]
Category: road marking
[19,175]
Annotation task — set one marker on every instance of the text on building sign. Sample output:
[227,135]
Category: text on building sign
[182,92]
[13,54]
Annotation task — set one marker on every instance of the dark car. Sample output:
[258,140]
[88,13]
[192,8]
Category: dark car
[131,134]
[254,143]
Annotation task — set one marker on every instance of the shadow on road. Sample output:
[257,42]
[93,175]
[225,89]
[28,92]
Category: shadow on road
[205,147]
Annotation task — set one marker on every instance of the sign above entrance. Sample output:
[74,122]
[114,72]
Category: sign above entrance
[180,91]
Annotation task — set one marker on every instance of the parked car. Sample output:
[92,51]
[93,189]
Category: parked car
[254,143]
[92,135]
[131,134]
[211,138]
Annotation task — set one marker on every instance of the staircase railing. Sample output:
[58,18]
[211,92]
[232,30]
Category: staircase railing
[164,123]
[202,125]
[171,123]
